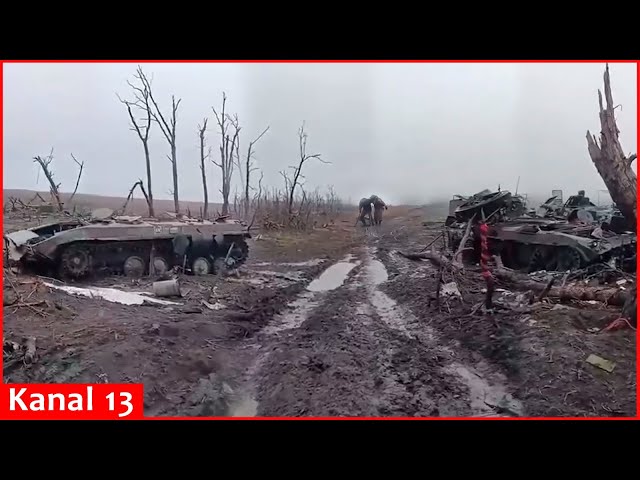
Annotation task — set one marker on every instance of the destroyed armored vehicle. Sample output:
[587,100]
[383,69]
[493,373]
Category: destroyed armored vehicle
[531,244]
[128,245]
[576,208]
[486,202]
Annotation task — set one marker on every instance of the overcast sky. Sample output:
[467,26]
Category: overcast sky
[407,132]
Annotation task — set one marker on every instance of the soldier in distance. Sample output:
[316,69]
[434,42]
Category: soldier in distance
[378,207]
[364,211]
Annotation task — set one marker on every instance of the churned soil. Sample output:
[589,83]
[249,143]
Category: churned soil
[329,323]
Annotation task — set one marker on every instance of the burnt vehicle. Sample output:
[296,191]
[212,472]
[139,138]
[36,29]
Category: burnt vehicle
[76,248]
[577,208]
[531,244]
[485,202]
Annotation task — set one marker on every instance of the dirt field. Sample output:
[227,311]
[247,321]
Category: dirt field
[332,323]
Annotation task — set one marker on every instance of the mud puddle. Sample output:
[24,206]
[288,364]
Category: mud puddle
[486,398]
[374,274]
[334,276]
[299,309]
[488,395]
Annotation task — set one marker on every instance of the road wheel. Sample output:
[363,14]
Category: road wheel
[134,266]
[160,265]
[76,261]
[201,266]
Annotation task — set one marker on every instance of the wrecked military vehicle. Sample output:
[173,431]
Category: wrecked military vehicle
[577,208]
[532,243]
[76,248]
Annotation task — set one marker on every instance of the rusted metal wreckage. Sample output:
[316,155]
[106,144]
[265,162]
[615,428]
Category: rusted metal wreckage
[133,246]
[557,237]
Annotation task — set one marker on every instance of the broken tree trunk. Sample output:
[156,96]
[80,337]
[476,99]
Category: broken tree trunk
[48,173]
[612,296]
[612,164]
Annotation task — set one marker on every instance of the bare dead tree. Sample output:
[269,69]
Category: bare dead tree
[140,185]
[45,164]
[142,127]
[249,169]
[229,132]
[201,131]
[297,170]
[81,165]
[612,164]
[168,129]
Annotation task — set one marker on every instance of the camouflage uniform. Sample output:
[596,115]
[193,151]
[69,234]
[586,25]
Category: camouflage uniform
[378,207]
[364,210]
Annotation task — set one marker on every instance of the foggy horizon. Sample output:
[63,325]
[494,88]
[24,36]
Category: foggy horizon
[410,133]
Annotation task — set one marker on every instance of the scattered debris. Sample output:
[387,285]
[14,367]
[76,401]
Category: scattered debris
[167,288]
[30,355]
[450,290]
[601,363]
[213,306]
[531,243]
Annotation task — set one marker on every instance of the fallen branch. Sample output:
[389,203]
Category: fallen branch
[464,240]
[428,255]
[611,296]
[545,292]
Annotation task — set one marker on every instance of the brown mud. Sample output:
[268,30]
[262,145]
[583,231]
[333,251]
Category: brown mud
[331,323]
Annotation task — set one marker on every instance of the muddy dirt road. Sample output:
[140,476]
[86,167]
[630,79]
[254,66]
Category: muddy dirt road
[346,348]
[333,324]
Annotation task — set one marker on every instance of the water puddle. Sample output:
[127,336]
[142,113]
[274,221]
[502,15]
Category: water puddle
[334,276]
[295,317]
[389,312]
[484,397]
[376,272]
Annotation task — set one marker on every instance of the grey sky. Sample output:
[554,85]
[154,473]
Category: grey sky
[407,132]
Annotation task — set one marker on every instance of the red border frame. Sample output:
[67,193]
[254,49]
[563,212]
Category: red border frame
[2,62]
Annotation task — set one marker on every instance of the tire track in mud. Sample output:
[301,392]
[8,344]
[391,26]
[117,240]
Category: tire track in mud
[283,324]
[347,349]
[486,389]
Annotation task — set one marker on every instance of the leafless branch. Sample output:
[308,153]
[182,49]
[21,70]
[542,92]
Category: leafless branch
[229,141]
[168,129]
[297,170]
[45,164]
[201,131]
[142,127]
[81,165]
